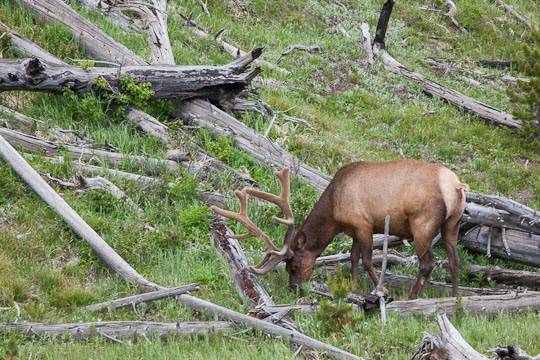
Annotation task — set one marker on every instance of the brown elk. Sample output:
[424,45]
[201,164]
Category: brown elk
[421,199]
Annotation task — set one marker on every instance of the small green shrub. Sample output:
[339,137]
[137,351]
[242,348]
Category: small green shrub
[525,96]
[333,315]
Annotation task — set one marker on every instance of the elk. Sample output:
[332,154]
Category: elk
[421,198]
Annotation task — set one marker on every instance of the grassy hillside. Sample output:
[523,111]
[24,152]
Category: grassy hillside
[353,112]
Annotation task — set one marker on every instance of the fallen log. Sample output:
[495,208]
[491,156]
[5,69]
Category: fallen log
[510,245]
[119,330]
[450,345]
[219,84]
[260,147]
[432,88]
[96,43]
[247,284]
[501,212]
[478,305]
[506,276]
[103,250]
[291,335]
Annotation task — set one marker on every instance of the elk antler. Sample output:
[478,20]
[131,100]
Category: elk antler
[273,256]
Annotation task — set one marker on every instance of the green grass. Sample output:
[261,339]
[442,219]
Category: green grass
[354,113]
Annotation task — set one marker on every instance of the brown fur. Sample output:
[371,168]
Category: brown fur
[421,199]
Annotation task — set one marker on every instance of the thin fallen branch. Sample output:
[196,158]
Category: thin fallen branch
[291,48]
[142,298]
[78,225]
[119,330]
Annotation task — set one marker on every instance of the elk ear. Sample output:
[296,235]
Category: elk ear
[301,241]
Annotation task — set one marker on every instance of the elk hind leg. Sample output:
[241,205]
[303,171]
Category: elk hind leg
[449,237]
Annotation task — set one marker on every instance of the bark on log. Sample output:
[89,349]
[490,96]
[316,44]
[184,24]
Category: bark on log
[263,149]
[216,83]
[247,284]
[119,330]
[79,226]
[268,328]
[142,298]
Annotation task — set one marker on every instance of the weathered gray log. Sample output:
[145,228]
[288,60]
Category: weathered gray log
[153,15]
[454,97]
[486,305]
[501,212]
[78,225]
[119,330]
[513,12]
[450,345]
[247,284]
[263,149]
[96,43]
[216,83]
[506,276]
[142,298]
[293,336]
[522,247]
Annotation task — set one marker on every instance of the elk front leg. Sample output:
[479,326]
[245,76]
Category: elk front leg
[365,249]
